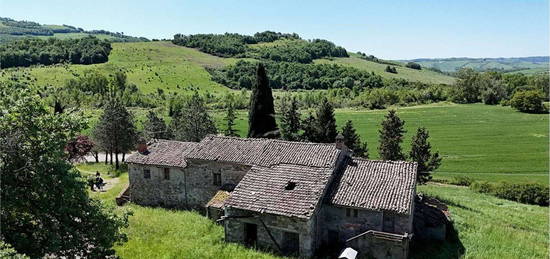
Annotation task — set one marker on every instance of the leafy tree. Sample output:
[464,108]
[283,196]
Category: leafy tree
[193,122]
[353,141]
[421,153]
[230,121]
[155,127]
[46,209]
[528,101]
[391,136]
[261,116]
[115,132]
[326,123]
[390,69]
[290,118]
[413,65]
[467,88]
[79,147]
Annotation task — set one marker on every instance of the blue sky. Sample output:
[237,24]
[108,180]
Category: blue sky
[387,29]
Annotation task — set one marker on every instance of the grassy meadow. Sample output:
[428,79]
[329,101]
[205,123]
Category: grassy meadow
[483,226]
[480,141]
[424,75]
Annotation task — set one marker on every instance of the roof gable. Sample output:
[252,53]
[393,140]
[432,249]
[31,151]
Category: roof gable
[267,190]
[376,185]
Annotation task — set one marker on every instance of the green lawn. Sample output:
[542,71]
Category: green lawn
[487,227]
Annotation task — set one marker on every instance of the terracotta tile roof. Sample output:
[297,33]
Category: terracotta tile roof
[264,189]
[164,153]
[219,199]
[376,185]
[264,152]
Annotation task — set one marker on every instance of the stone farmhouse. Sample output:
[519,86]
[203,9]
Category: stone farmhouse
[294,198]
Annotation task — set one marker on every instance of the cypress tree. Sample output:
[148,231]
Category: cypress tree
[261,116]
[326,123]
[290,118]
[391,136]
[310,129]
[421,153]
[353,141]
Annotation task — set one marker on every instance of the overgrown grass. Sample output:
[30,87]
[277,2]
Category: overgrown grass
[489,227]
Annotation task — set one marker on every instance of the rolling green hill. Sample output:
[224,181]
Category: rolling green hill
[424,75]
[523,64]
[13,30]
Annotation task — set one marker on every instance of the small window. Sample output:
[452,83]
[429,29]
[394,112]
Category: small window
[355,213]
[146,173]
[166,173]
[217,179]
[352,213]
[348,212]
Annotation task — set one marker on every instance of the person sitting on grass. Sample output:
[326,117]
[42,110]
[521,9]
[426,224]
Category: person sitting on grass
[91,182]
[99,181]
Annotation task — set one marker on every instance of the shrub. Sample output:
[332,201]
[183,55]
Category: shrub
[414,65]
[461,180]
[528,193]
[528,101]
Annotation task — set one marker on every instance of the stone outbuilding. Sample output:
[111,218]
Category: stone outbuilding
[291,197]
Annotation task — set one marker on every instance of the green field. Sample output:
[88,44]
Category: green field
[480,141]
[484,225]
[424,75]
[149,65]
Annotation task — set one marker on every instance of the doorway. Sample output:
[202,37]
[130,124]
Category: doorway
[250,234]
[291,243]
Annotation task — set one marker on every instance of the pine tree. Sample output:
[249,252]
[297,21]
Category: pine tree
[155,127]
[290,118]
[326,123]
[193,123]
[310,129]
[115,131]
[230,121]
[421,153]
[391,136]
[261,116]
[353,141]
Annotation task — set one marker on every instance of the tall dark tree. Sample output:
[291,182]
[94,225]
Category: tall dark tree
[115,131]
[290,118]
[309,126]
[193,122]
[230,121]
[326,123]
[155,127]
[391,136]
[261,116]
[45,208]
[422,154]
[353,141]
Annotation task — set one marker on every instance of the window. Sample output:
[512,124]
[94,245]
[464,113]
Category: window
[352,212]
[217,179]
[146,173]
[388,222]
[166,173]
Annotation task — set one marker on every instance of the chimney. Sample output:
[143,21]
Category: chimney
[142,146]
[339,141]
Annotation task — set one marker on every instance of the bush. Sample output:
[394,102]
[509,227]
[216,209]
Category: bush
[528,101]
[414,65]
[461,180]
[525,193]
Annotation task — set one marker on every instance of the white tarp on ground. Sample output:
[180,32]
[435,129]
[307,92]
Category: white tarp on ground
[348,253]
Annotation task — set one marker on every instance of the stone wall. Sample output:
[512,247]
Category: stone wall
[157,191]
[190,187]
[200,177]
[369,246]
[277,225]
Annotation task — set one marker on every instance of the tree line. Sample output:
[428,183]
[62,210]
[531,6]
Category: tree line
[236,45]
[31,51]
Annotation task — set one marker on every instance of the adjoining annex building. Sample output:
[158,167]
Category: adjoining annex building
[295,198]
